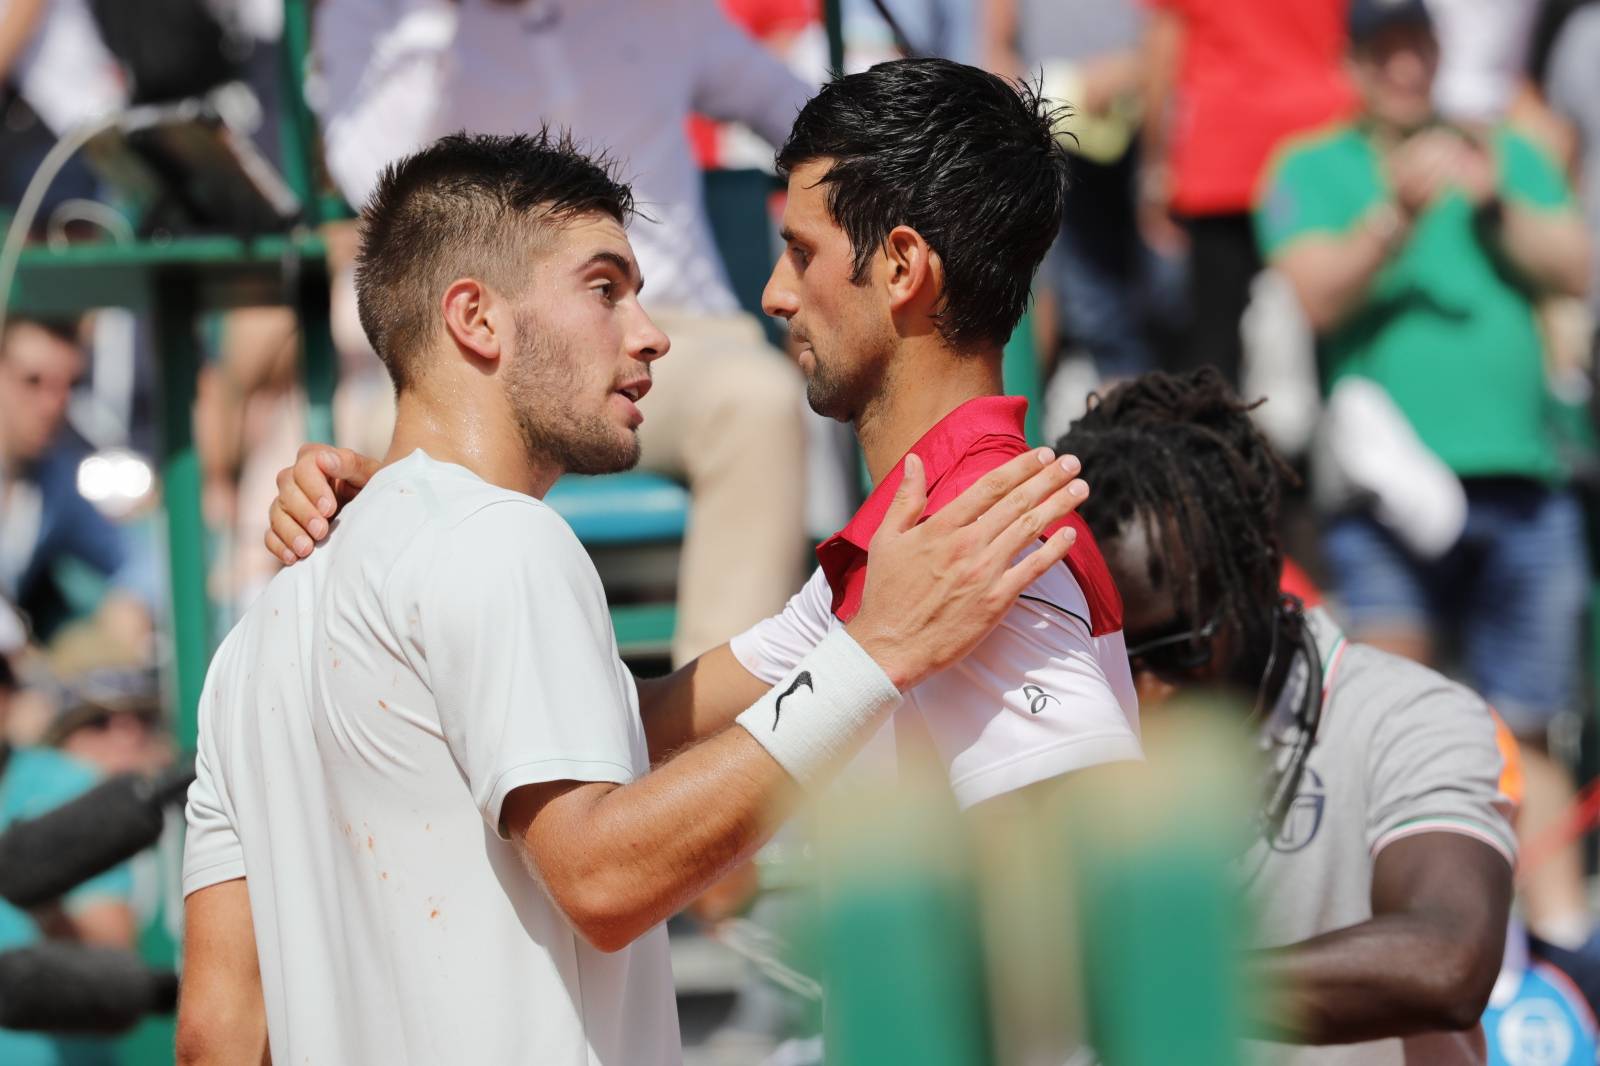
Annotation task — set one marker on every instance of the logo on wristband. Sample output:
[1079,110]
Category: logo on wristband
[802,678]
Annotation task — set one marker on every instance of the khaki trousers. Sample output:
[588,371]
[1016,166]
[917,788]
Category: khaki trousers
[725,415]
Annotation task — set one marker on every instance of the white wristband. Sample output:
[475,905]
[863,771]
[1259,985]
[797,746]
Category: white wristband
[822,709]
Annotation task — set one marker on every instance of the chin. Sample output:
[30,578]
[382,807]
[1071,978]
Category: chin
[611,457]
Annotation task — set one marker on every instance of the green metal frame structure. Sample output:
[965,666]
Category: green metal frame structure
[175,283]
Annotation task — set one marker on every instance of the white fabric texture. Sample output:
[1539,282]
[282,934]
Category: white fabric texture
[823,709]
[1037,698]
[360,729]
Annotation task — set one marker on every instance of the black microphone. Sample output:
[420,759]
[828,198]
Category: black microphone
[43,858]
[74,988]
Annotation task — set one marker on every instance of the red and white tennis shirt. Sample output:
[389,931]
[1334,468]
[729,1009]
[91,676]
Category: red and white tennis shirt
[1047,693]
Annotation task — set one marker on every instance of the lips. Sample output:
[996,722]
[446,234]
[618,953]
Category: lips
[634,390]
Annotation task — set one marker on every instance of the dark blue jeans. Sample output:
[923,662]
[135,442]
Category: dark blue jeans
[1515,588]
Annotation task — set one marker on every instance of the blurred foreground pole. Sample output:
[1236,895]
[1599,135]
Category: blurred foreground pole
[901,961]
[1160,910]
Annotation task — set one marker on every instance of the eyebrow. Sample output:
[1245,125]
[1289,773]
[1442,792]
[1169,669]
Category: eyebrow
[625,266]
[789,236]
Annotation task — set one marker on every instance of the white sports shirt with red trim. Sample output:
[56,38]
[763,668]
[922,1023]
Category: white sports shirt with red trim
[1047,693]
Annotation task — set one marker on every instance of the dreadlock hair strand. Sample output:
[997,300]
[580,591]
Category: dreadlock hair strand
[1180,455]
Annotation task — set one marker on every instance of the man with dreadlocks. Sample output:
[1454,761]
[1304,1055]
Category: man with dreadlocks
[1382,875]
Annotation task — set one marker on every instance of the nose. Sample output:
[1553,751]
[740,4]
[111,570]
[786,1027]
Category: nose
[647,343]
[778,298]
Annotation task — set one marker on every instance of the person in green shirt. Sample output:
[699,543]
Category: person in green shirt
[1420,251]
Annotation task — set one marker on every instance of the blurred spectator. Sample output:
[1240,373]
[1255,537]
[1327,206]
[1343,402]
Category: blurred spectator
[1226,81]
[55,74]
[43,517]
[1572,82]
[1107,283]
[1419,250]
[112,721]
[725,412]
[33,781]
[52,52]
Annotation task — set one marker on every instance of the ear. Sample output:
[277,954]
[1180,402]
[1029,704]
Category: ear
[914,276]
[476,318]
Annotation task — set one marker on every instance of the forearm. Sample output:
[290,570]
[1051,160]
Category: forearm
[696,701]
[620,859]
[1549,248]
[1332,275]
[1394,975]
[650,847]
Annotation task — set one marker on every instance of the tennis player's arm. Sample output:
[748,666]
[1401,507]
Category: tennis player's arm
[222,1018]
[704,697]
[696,701]
[1425,962]
[620,859]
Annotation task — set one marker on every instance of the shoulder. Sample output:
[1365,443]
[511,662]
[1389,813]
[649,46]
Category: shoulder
[456,514]
[1380,693]
[1302,156]
[986,455]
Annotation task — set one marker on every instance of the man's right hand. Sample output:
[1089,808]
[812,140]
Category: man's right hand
[322,480]
[936,588]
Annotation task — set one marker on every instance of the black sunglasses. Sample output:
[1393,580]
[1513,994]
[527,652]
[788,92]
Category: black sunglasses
[1175,654]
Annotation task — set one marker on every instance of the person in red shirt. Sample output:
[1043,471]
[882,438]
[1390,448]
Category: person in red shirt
[1226,81]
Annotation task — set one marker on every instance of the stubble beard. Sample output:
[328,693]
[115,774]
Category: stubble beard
[552,427]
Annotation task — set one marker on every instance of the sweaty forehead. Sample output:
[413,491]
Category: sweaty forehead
[573,243]
[806,206]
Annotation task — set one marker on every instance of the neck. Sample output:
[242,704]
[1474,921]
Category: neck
[920,387]
[452,430]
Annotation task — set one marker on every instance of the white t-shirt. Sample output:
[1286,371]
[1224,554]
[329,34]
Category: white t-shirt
[360,729]
[623,75]
[1038,698]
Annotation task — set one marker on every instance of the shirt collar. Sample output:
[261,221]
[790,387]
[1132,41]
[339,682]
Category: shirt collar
[941,449]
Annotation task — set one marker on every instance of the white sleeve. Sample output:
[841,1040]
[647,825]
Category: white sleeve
[771,648]
[1039,698]
[737,79]
[520,657]
[212,853]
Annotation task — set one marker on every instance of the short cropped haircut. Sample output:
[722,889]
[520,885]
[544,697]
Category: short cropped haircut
[468,205]
[967,159]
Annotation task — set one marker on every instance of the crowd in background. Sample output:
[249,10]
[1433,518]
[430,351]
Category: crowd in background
[1383,231]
